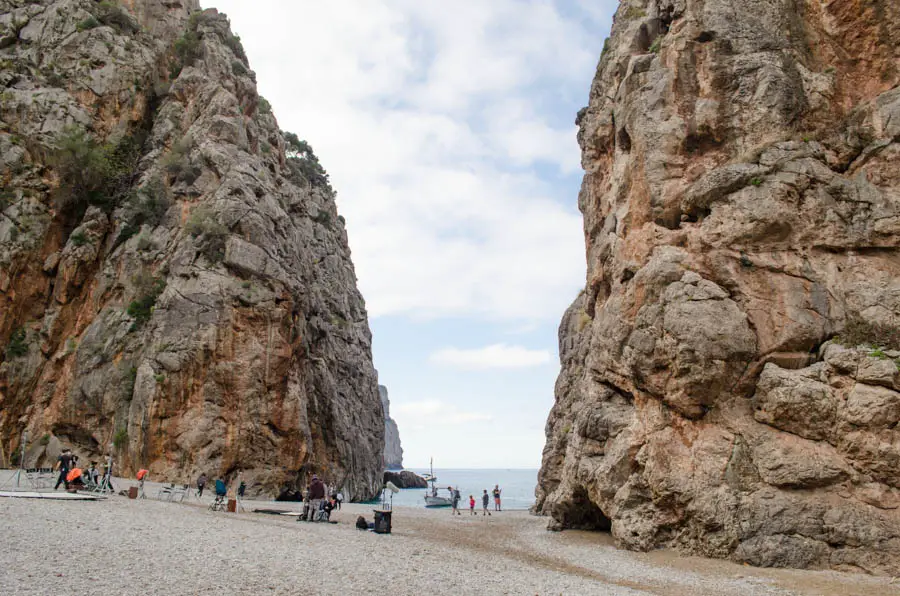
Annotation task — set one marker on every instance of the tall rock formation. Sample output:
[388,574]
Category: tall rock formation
[175,281]
[393,452]
[741,205]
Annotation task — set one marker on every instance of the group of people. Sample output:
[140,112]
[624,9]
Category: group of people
[316,506]
[72,476]
[455,498]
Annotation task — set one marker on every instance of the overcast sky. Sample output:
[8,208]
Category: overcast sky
[448,131]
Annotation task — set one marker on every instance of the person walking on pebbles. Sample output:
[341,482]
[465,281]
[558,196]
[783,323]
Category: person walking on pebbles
[63,463]
[496,497]
[454,499]
[485,499]
[201,484]
[471,505]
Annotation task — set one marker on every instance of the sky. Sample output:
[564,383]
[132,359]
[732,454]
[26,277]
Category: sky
[447,129]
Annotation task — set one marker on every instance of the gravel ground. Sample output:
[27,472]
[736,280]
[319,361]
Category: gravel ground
[120,546]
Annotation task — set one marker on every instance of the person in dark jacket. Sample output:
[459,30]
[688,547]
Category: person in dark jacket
[201,484]
[485,499]
[316,495]
[63,464]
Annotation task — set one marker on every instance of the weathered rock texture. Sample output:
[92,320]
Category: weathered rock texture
[405,479]
[205,316]
[741,206]
[393,452]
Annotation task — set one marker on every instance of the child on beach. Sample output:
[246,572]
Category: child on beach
[484,503]
[471,505]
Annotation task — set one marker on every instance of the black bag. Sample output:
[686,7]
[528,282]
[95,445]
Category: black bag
[361,523]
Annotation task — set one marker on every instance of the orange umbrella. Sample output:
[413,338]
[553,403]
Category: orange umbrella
[142,473]
[73,474]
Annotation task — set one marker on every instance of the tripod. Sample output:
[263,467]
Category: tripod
[17,476]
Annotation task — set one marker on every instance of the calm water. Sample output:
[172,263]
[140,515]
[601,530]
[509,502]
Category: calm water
[517,486]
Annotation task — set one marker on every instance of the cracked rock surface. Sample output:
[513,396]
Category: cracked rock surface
[205,316]
[726,387]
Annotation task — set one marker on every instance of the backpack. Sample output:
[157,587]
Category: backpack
[361,523]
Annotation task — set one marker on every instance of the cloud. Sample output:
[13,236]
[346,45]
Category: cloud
[432,412]
[493,356]
[433,124]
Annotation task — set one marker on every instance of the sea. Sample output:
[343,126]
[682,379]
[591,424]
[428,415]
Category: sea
[517,486]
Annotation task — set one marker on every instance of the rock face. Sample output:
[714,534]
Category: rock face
[175,281]
[741,205]
[405,479]
[393,452]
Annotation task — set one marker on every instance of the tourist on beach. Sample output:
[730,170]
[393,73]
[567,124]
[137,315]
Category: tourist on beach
[484,503]
[340,499]
[496,497]
[93,473]
[316,494]
[454,498]
[63,464]
[107,473]
[242,488]
[201,484]
[471,505]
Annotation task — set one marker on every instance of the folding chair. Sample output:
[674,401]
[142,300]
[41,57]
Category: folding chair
[178,492]
[165,491]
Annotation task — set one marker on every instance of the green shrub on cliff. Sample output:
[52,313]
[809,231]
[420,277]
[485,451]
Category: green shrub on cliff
[211,234]
[303,162]
[120,439]
[92,173]
[149,288]
[18,345]
[861,332]
[88,23]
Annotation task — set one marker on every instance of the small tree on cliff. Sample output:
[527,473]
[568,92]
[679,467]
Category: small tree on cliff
[303,161]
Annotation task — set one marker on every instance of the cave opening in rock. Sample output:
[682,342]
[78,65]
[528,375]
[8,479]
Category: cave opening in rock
[583,514]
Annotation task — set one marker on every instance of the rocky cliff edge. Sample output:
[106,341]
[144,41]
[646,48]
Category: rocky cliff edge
[175,282]
[728,383]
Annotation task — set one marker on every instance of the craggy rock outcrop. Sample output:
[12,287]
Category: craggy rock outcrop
[175,281]
[393,452]
[405,479]
[741,205]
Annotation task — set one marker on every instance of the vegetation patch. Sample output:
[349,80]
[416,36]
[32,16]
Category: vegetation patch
[303,162]
[18,344]
[178,162]
[88,23]
[92,173]
[149,289]
[113,15]
[880,336]
[79,238]
[656,45]
[210,233]
[120,439]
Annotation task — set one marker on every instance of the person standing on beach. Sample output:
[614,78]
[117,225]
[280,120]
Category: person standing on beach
[454,498]
[63,463]
[201,484]
[484,503]
[471,505]
[316,494]
[496,497]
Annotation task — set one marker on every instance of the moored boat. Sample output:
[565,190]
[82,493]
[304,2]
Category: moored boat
[433,500]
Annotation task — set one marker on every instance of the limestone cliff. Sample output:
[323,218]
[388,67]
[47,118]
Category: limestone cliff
[728,385]
[393,452]
[175,281]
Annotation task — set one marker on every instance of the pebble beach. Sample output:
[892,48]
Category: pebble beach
[123,546]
